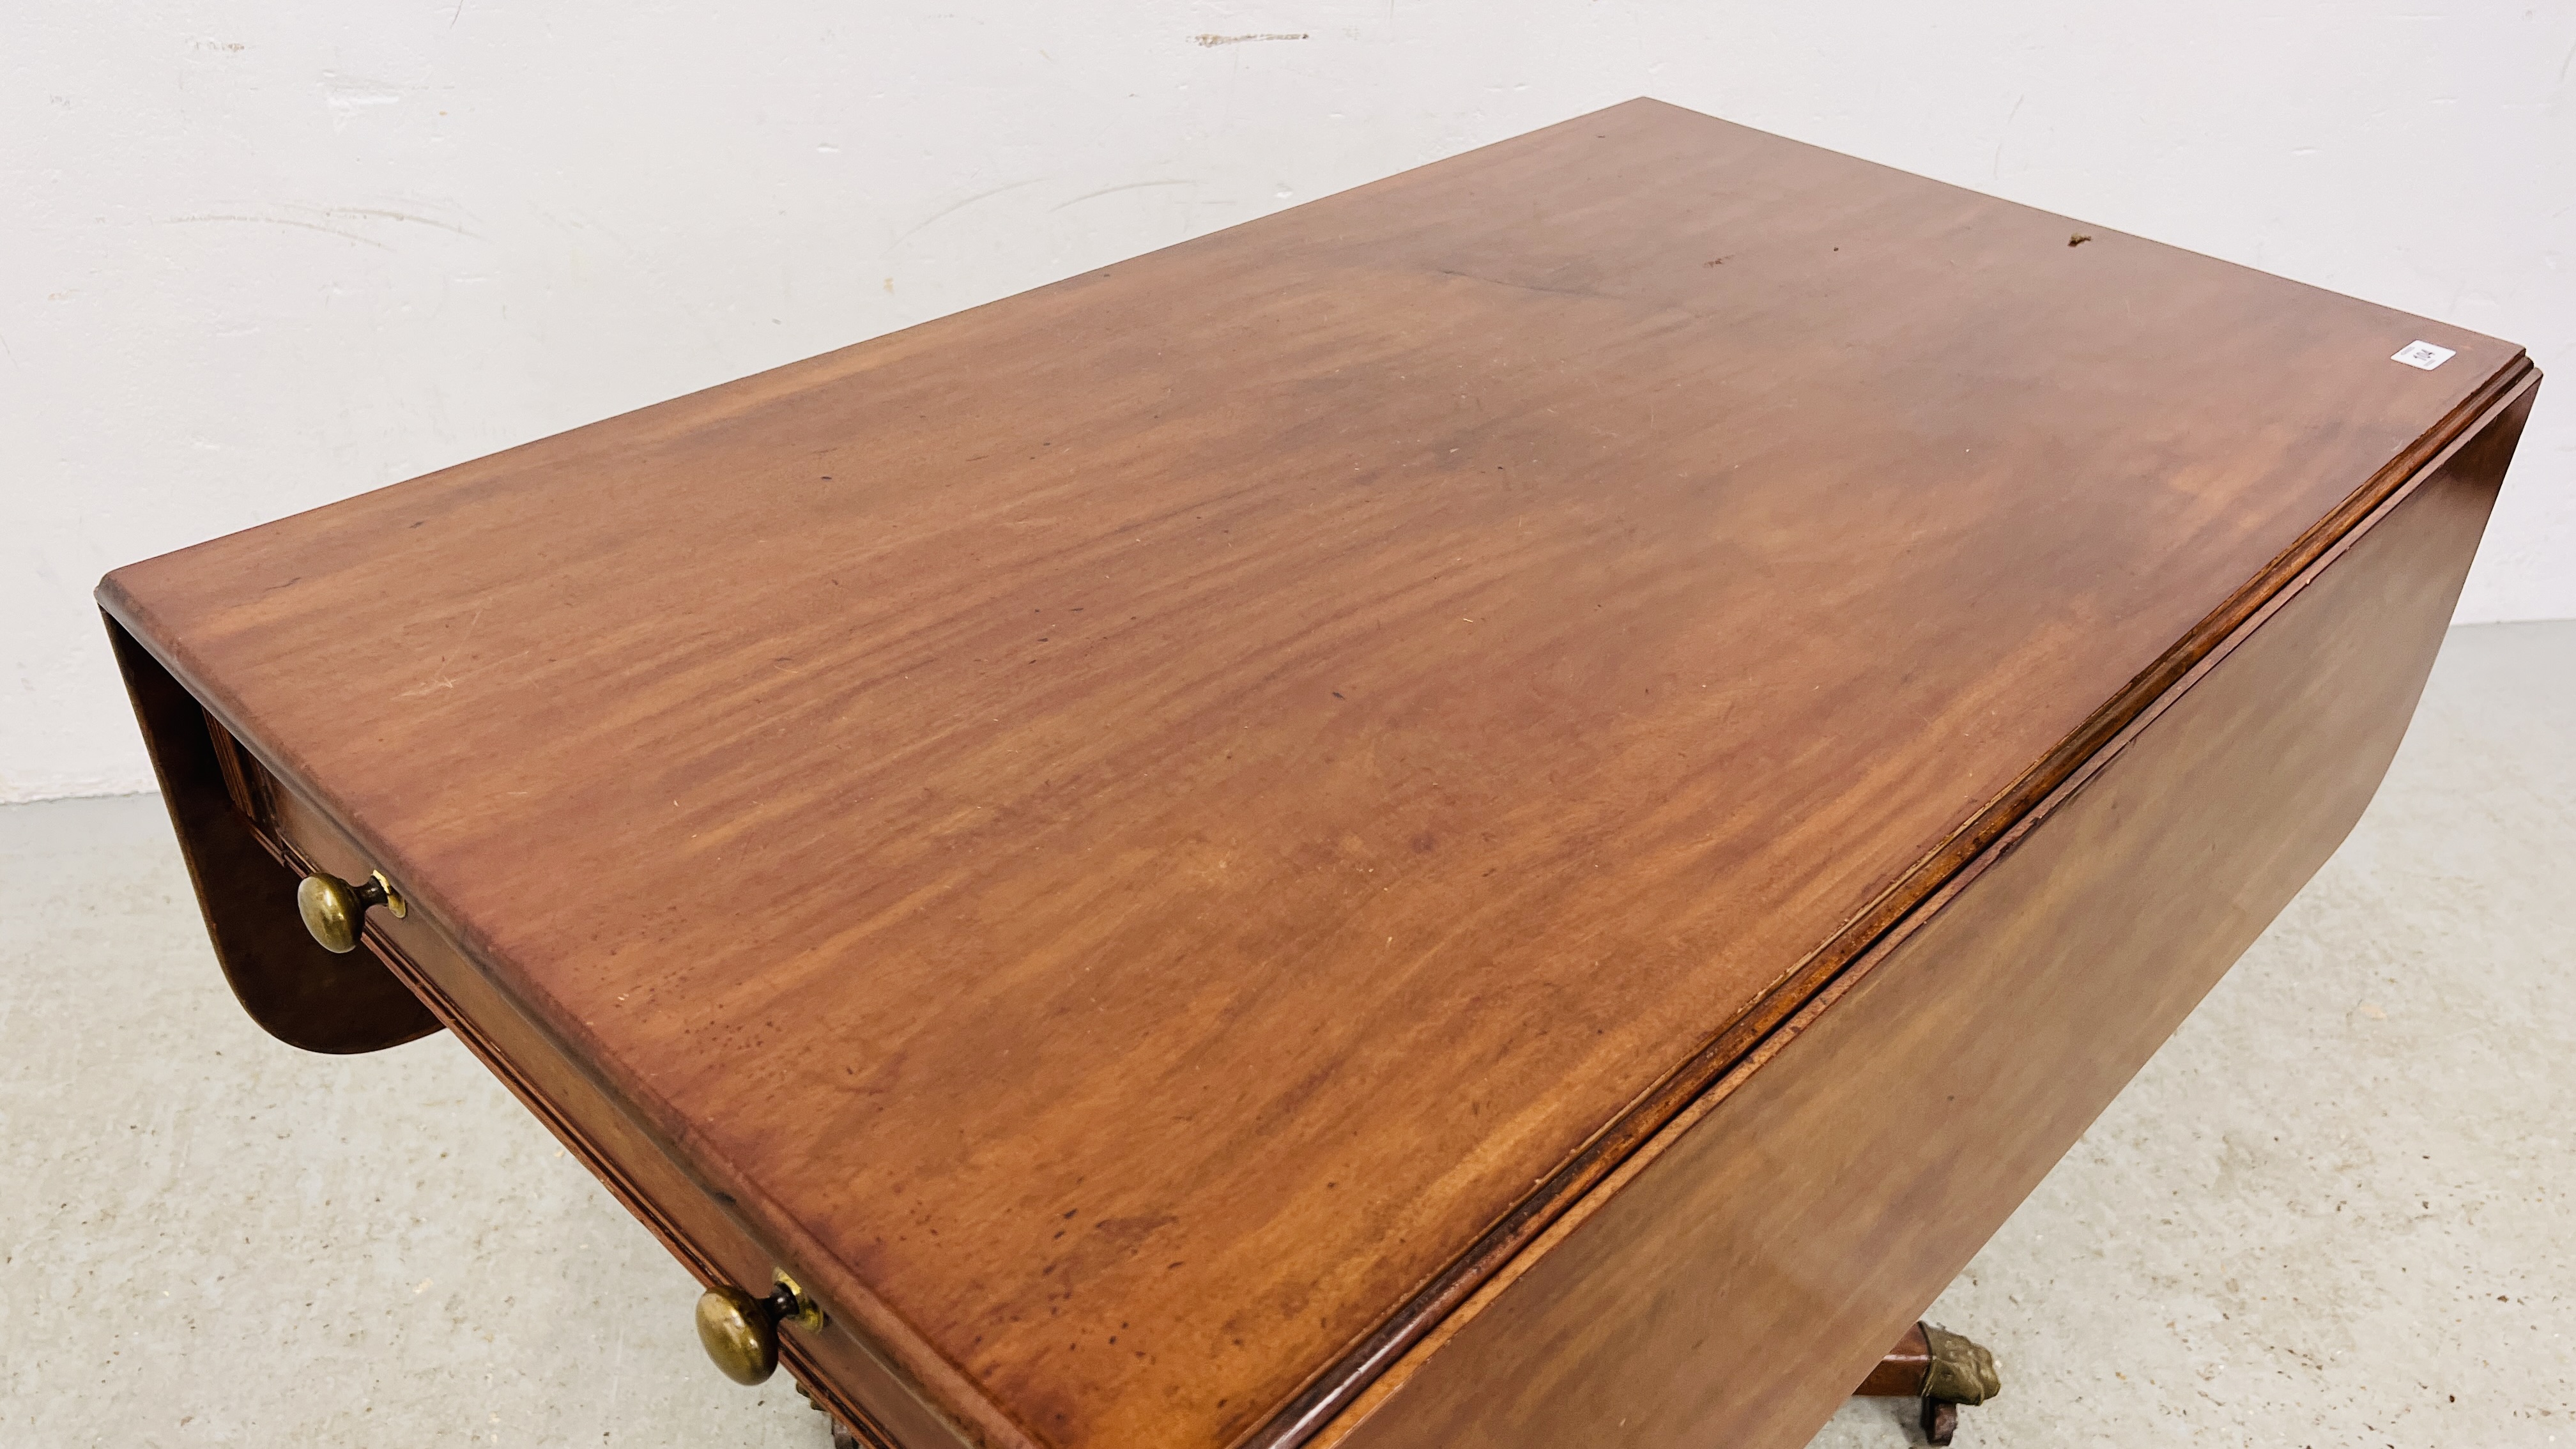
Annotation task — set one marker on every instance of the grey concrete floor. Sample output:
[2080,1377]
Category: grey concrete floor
[2339,1208]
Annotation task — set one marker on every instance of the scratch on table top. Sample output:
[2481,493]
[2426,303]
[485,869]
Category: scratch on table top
[439,678]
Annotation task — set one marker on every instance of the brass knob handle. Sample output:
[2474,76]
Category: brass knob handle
[333,910]
[741,1332]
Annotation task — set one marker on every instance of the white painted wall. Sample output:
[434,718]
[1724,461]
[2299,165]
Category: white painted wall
[255,258]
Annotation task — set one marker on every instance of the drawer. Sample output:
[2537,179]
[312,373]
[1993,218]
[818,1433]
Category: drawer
[834,1365]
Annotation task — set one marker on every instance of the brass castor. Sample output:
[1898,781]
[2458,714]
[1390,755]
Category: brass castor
[1943,1369]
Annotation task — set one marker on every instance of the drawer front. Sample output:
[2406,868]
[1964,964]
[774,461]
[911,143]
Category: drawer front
[835,1365]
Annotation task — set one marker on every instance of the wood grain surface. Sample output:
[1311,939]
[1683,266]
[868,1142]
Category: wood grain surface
[1151,834]
[1809,1209]
[295,990]
[690,1218]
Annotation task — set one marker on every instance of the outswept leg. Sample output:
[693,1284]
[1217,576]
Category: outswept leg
[1943,1369]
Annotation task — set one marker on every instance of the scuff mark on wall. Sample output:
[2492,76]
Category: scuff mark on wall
[1213,41]
[332,219]
[1106,190]
[285,221]
[347,95]
[389,215]
[956,207]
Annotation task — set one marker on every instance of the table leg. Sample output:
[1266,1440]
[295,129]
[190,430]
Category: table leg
[1943,1369]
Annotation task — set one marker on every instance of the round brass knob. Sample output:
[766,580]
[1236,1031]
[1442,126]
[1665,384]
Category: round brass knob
[334,910]
[740,1332]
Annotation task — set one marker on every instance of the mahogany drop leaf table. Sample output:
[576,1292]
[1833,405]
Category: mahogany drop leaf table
[1511,808]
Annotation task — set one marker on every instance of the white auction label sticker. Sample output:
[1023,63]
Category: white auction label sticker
[2423,354]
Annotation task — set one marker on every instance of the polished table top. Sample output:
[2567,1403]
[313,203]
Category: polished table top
[1139,825]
